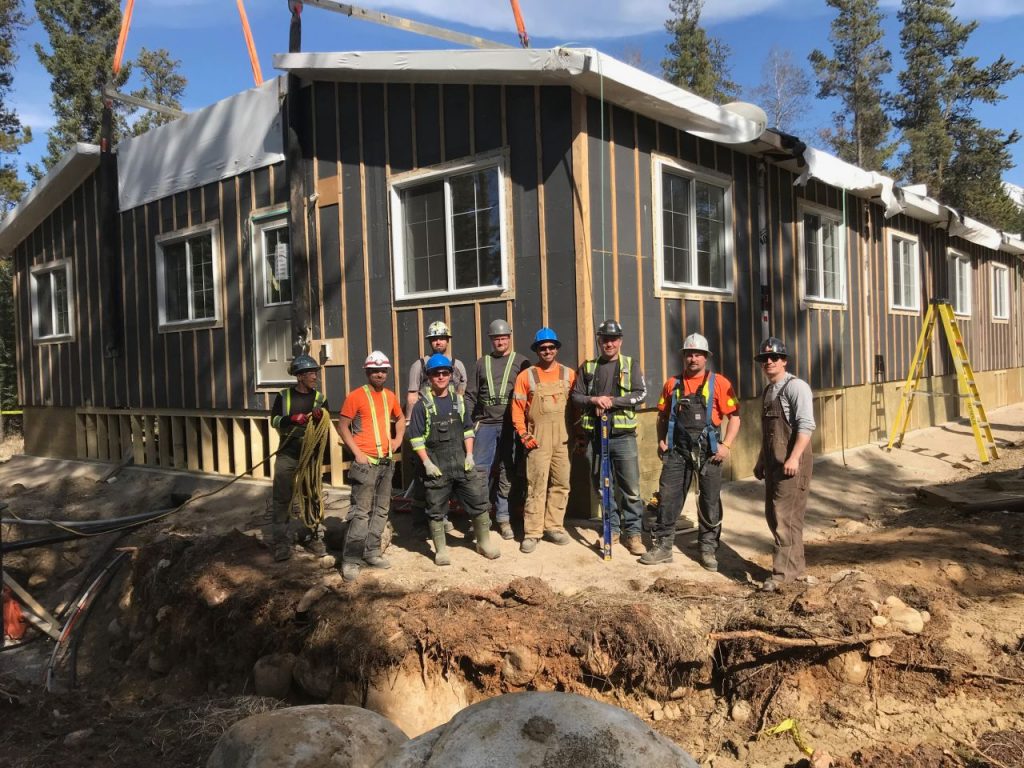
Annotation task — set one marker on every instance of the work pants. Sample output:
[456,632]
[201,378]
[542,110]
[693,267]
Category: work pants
[785,504]
[547,466]
[627,508]
[284,486]
[460,484]
[677,471]
[368,513]
[494,456]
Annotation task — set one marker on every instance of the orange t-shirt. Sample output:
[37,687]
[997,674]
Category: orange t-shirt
[724,403]
[357,408]
[522,396]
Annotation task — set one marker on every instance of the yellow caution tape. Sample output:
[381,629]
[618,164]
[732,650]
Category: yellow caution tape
[790,726]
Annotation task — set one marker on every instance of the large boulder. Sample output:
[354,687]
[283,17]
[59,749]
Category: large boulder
[541,730]
[316,736]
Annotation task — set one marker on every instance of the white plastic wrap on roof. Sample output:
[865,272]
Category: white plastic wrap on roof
[585,69]
[974,231]
[844,175]
[235,135]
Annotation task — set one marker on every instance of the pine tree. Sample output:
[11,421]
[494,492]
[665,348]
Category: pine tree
[83,36]
[945,146]
[783,90]
[698,62]
[853,75]
[162,84]
[12,133]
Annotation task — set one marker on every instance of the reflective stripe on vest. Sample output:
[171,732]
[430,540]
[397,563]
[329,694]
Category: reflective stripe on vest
[286,396]
[502,398]
[377,438]
[430,410]
[622,419]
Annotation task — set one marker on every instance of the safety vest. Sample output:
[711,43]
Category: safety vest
[286,397]
[498,397]
[430,412]
[623,419]
[378,438]
[707,393]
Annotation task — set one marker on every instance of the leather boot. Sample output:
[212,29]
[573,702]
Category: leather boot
[440,543]
[484,545]
[660,552]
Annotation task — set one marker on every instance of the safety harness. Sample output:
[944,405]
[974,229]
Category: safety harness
[707,393]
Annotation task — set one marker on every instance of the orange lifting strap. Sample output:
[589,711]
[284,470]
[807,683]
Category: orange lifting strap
[524,39]
[254,60]
[122,38]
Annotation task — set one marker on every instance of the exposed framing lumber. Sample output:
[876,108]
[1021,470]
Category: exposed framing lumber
[581,227]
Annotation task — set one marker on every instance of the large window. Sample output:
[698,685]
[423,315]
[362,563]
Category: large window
[1000,292]
[824,263]
[959,282]
[449,232]
[904,274]
[52,302]
[188,276]
[694,229]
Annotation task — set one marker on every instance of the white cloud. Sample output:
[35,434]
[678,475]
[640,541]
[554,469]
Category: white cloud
[38,118]
[979,9]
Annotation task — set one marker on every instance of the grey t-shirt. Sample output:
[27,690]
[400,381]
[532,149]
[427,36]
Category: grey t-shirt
[478,392]
[418,377]
[797,403]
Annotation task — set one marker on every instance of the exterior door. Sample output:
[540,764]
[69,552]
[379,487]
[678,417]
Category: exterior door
[272,273]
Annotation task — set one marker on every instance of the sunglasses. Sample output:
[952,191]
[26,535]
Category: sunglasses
[440,373]
[771,358]
[547,348]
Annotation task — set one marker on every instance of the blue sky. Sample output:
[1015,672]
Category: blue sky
[206,36]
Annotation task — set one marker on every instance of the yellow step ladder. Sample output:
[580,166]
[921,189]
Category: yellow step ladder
[942,309]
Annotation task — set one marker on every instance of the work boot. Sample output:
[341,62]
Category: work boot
[708,560]
[528,545]
[282,551]
[634,544]
[482,529]
[376,561]
[660,552]
[561,538]
[440,543]
[350,571]
[315,547]
[506,530]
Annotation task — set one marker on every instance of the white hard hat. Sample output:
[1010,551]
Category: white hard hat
[695,343]
[377,359]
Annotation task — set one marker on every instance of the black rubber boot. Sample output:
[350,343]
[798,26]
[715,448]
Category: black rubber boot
[440,543]
[661,552]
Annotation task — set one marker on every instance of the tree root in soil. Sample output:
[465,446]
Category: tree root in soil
[800,642]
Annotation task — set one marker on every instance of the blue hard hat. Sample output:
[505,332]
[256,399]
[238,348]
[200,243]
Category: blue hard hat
[438,361]
[545,334]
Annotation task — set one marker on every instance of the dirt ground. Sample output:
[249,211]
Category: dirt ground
[165,659]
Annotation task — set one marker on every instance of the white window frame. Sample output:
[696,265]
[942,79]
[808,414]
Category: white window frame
[170,238]
[46,272]
[261,225]
[401,182]
[894,235]
[836,218]
[956,260]
[693,174]
[1000,312]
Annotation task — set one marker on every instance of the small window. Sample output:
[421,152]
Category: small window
[904,274]
[694,230]
[277,263]
[51,302]
[449,232]
[824,263]
[960,282]
[188,277]
[1000,292]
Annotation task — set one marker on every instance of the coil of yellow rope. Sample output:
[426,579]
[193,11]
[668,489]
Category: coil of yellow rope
[307,495]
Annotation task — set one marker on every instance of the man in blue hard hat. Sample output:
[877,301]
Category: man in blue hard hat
[293,408]
[488,396]
[441,433]
[613,383]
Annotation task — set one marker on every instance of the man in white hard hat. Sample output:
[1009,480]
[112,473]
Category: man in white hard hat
[488,397]
[691,410]
[365,426]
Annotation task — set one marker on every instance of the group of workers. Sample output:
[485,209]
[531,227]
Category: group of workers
[472,434]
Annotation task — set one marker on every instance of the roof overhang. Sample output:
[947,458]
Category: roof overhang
[51,190]
[585,69]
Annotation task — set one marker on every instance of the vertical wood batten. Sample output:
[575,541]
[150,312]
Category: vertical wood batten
[524,248]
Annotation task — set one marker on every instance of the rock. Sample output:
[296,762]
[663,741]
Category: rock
[741,711]
[848,667]
[308,600]
[160,661]
[414,700]
[326,562]
[314,679]
[879,648]
[658,715]
[521,666]
[300,737]
[879,621]
[672,711]
[272,675]
[955,572]
[38,580]
[925,616]
[906,620]
[77,737]
[651,706]
[541,730]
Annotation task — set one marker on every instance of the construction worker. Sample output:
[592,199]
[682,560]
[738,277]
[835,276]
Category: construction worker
[488,396]
[365,427]
[292,410]
[540,414]
[441,434]
[785,461]
[438,338]
[613,383]
[690,413]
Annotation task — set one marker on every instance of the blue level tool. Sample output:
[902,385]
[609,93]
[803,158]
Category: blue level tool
[606,486]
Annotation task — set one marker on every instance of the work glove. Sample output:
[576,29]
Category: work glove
[299,418]
[318,413]
[431,469]
[529,442]
[470,464]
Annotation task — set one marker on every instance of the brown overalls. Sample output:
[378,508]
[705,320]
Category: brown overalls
[785,498]
[547,467]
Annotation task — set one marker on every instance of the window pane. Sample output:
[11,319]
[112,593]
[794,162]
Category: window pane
[44,304]
[476,229]
[676,228]
[425,247]
[812,270]
[277,266]
[176,282]
[201,252]
[60,301]
[710,215]
[830,260]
